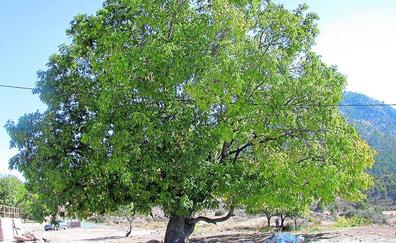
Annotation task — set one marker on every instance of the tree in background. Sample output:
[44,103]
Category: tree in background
[12,190]
[266,211]
[129,212]
[183,104]
[285,204]
[14,193]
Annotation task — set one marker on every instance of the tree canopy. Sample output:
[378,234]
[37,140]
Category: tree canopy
[182,104]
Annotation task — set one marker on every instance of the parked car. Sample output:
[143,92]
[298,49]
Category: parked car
[60,224]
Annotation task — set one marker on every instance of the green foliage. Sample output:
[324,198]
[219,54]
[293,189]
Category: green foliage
[180,104]
[124,211]
[12,191]
[352,221]
[34,208]
[370,215]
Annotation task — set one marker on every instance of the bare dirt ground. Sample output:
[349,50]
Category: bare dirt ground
[238,229]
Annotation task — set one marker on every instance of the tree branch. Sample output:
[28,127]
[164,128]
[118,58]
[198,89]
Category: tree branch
[223,153]
[288,133]
[240,149]
[213,221]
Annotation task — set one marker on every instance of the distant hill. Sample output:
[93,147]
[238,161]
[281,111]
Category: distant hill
[377,125]
[382,118]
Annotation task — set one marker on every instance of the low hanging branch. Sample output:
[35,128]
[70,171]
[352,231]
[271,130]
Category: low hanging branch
[211,220]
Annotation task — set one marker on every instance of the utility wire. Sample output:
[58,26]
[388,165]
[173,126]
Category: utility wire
[15,87]
[350,105]
[365,105]
[339,105]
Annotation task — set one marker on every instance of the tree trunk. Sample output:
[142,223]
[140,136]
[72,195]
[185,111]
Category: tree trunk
[130,227]
[295,223]
[178,229]
[283,217]
[268,221]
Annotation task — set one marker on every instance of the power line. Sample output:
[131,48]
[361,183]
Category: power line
[339,105]
[15,87]
[351,105]
[366,105]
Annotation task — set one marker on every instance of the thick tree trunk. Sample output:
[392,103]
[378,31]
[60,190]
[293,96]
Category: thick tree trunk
[178,229]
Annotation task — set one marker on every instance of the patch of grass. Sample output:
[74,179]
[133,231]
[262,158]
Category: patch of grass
[313,229]
[266,229]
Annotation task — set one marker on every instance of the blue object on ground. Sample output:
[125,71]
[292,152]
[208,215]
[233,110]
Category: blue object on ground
[285,238]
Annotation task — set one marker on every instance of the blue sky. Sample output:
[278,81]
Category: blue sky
[357,35]
[30,32]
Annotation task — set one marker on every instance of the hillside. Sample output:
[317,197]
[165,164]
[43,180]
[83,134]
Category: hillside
[377,125]
[382,118]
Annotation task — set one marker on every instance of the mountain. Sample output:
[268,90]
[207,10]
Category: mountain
[376,123]
[382,118]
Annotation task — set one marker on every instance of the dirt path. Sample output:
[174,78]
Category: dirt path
[102,233]
[232,231]
[367,234]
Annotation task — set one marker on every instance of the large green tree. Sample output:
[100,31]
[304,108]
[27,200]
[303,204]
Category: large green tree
[182,104]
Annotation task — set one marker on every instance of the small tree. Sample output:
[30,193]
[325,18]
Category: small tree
[129,213]
[297,213]
[181,104]
[266,211]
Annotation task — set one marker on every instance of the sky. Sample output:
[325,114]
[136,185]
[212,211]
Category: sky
[359,36]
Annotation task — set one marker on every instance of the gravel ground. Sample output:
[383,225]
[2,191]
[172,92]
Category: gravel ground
[100,233]
[239,229]
[362,234]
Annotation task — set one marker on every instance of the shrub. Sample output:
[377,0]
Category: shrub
[351,222]
[373,215]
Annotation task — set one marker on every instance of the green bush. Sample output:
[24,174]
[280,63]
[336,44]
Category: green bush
[372,215]
[352,221]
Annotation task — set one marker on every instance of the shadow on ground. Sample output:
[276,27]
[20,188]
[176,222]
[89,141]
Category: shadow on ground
[257,237]
[320,236]
[233,238]
[236,238]
[105,238]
